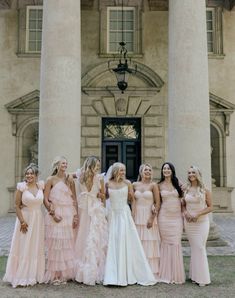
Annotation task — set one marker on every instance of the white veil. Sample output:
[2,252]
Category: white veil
[107,177]
[108,174]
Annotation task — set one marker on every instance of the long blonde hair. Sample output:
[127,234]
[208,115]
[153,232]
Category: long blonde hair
[115,169]
[56,164]
[201,190]
[88,167]
[141,169]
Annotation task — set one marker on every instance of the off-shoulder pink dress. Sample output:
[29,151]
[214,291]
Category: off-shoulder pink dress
[171,227]
[150,238]
[60,236]
[92,238]
[26,261]
[197,233]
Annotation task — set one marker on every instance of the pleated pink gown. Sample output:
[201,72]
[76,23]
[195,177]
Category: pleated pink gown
[26,261]
[150,238]
[60,236]
[197,233]
[171,226]
[92,238]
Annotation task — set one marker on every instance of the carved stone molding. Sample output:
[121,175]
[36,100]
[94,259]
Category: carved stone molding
[221,108]
[23,108]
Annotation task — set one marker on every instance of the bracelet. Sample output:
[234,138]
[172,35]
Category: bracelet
[23,223]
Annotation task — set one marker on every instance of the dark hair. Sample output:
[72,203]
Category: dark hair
[174,179]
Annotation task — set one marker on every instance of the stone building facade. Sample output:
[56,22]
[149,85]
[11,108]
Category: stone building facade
[59,97]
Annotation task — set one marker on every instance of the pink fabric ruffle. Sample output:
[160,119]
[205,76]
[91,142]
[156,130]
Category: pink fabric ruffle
[60,236]
[90,267]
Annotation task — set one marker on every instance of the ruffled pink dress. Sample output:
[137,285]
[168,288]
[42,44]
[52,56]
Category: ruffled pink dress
[171,227]
[150,238]
[92,237]
[60,236]
[26,261]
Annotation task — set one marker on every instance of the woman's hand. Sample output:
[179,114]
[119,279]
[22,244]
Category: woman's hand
[188,217]
[24,227]
[150,223]
[75,221]
[154,210]
[195,217]
[57,218]
[51,210]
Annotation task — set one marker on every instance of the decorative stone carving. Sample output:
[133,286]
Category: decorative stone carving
[121,105]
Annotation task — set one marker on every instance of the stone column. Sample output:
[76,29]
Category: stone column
[60,85]
[189,118]
[188,101]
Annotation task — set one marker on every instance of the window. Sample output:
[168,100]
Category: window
[33,29]
[120,31]
[214,31]
[210,31]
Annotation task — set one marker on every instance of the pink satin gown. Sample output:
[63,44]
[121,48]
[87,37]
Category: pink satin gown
[197,233]
[171,227]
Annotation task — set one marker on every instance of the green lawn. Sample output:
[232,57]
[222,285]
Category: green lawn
[222,270]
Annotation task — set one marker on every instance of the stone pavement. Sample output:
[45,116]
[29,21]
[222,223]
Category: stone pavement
[224,221]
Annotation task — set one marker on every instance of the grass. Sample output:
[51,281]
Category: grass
[3,262]
[222,270]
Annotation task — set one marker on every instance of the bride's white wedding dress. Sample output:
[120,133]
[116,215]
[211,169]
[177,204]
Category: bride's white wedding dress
[126,262]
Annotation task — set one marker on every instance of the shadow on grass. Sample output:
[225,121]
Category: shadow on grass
[222,270]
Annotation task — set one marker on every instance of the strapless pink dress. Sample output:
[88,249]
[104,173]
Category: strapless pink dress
[171,227]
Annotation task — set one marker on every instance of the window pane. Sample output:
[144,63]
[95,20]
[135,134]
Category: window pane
[209,25]
[33,14]
[112,37]
[209,36]
[32,24]
[113,14]
[119,14]
[129,25]
[39,35]
[210,47]
[119,37]
[113,47]
[209,15]
[32,35]
[129,47]
[39,46]
[119,26]
[32,46]
[129,15]
[129,37]
[40,25]
[113,25]
[39,13]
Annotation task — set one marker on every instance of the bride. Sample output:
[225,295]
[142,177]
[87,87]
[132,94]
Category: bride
[126,262]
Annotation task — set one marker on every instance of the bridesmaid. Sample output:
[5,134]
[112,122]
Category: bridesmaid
[26,261]
[92,237]
[61,219]
[170,227]
[146,201]
[198,203]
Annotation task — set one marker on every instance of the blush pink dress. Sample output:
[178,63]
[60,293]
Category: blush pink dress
[171,227]
[197,233]
[26,261]
[92,238]
[150,238]
[60,236]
